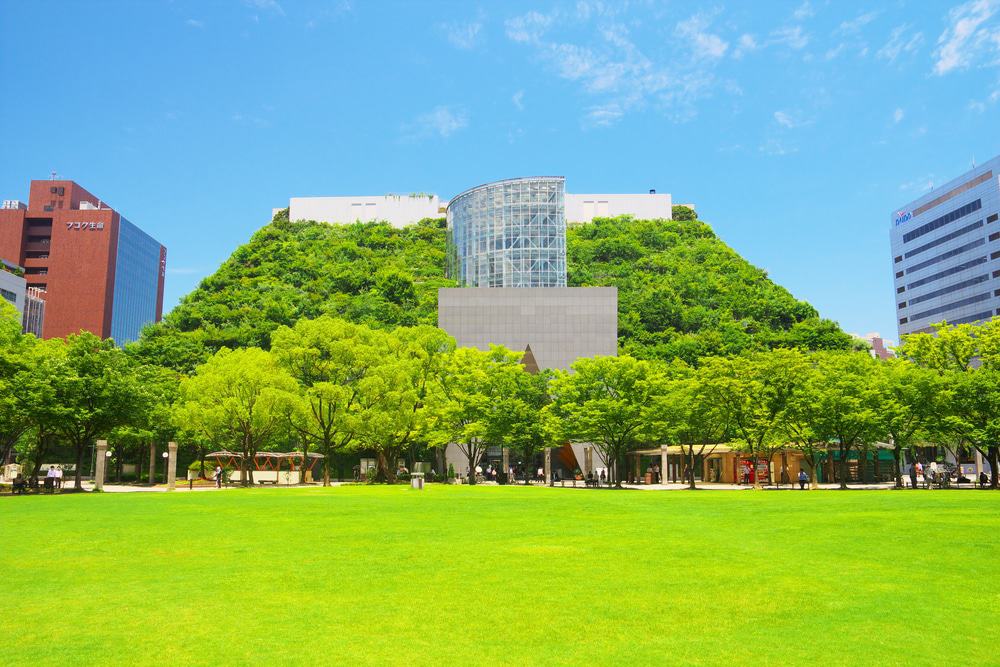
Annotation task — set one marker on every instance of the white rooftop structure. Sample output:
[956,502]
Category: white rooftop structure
[402,210]
[584,208]
[397,210]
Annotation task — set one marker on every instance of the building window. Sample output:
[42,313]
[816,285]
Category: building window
[937,223]
[951,306]
[901,305]
[994,236]
[947,255]
[900,290]
[949,289]
[944,239]
[898,259]
[992,218]
[899,274]
[903,320]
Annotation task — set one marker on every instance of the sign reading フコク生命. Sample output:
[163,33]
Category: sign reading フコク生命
[85,225]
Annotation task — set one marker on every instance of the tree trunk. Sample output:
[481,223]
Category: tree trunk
[994,458]
[78,482]
[326,468]
[691,468]
[843,467]
[898,464]
[472,466]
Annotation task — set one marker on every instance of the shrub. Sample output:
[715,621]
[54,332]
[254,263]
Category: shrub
[451,471]
[370,475]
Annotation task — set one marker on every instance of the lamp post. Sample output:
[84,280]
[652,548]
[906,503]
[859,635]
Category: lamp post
[165,455]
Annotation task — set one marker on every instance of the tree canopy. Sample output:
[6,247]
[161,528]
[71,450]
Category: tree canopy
[683,293]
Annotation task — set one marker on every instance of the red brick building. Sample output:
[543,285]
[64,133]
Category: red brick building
[99,271]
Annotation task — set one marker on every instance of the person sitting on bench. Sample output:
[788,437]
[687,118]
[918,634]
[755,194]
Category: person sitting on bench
[20,484]
[984,480]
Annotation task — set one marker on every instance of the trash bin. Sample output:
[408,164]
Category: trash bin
[417,481]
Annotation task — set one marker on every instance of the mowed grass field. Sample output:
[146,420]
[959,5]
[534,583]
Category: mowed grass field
[500,575]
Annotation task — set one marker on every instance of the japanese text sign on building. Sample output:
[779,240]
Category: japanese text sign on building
[85,225]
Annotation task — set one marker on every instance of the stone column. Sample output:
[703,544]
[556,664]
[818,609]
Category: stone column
[171,465]
[102,448]
[979,466]
[505,455]
[663,464]
[548,465]
[152,463]
[588,461]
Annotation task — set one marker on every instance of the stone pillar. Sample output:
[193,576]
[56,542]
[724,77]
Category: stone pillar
[663,464]
[171,465]
[548,465]
[101,456]
[152,463]
[505,456]
[979,466]
[588,461]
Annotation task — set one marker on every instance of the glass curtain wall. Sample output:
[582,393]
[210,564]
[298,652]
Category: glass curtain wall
[509,233]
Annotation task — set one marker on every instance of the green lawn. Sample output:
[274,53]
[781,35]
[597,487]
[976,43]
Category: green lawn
[462,575]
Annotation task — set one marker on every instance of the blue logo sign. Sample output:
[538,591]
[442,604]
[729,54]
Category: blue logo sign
[903,216]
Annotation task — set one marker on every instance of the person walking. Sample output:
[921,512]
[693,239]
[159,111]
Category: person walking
[803,478]
[218,476]
[913,475]
[920,470]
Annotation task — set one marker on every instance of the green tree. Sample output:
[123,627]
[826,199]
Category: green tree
[94,389]
[465,406]
[16,351]
[968,357]
[838,404]
[330,359]
[683,412]
[754,391]
[910,399]
[602,402]
[241,398]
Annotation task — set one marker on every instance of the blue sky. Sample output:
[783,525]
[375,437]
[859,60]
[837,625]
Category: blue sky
[796,128]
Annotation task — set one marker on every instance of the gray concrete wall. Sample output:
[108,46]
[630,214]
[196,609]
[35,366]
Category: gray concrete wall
[561,324]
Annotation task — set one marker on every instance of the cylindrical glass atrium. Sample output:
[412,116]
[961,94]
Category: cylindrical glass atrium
[510,233]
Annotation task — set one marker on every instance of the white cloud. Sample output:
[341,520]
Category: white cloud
[790,120]
[606,62]
[804,11]
[442,121]
[747,43]
[897,116]
[195,23]
[603,116]
[706,45]
[518,100]
[777,148]
[919,184]
[981,105]
[791,36]
[266,6]
[855,25]
[463,35]
[529,27]
[967,36]
[900,44]
[783,119]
